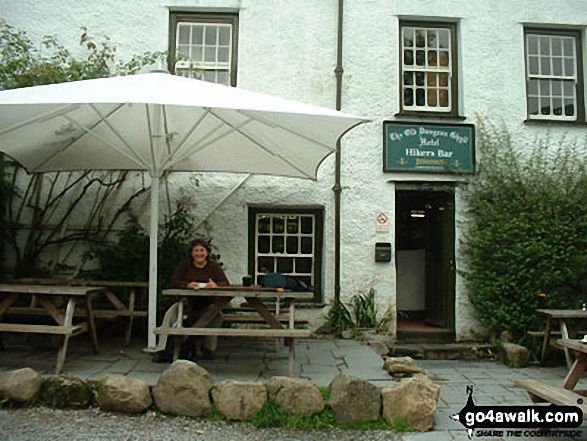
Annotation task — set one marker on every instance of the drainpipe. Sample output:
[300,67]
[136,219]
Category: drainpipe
[338,71]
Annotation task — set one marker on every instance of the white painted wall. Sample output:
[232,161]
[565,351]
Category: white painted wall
[289,49]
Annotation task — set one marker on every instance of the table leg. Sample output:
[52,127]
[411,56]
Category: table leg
[91,323]
[546,341]
[178,339]
[131,309]
[292,350]
[67,324]
[576,371]
[264,312]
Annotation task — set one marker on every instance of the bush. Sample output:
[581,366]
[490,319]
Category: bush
[526,231]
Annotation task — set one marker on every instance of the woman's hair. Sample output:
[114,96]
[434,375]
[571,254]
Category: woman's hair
[202,243]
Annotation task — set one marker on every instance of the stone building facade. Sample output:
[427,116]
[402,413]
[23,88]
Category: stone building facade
[424,72]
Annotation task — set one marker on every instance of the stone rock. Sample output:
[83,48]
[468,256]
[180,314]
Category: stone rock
[239,400]
[402,367]
[507,336]
[20,385]
[124,394]
[64,392]
[515,355]
[413,400]
[184,389]
[353,399]
[296,395]
[379,346]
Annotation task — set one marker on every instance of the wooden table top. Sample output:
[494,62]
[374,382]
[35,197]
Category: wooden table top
[239,290]
[62,290]
[574,344]
[563,313]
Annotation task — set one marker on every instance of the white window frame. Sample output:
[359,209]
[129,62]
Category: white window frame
[432,77]
[553,80]
[200,49]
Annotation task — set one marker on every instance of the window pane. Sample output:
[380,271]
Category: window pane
[533,106]
[223,53]
[197,34]
[408,97]
[545,87]
[431,79]
[432,101]
[444,100]
[263,244]
[420,78]
[265,264]
[408,57]
[556,46]
[443,80]
[444,38]
[307,245]
[184,34]
[545,66]
[545,106]
[420,58]
[569,67]
[196,53]
[444,59]
[420,38]
[303,265]
[569,89]
[408,78]
[432,38]
[409,37]
[557,106]
[224,36]
[544,46]
[264,223]
[285,265]
[533,66]
[307,225]
[533,87]
[432,58]
[292,245]
[278,225]
[210,75]
[183,51]
[570,108]
[210,54]
[278,245]
[557,89]
[211,35]
[222,77]
[420,97]
[557,66]
[292,225]
[532,45]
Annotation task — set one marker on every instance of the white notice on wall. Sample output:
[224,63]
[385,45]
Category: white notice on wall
[382,222]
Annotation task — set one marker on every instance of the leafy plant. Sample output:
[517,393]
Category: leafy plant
[339,317]
[526,230]
[364,309]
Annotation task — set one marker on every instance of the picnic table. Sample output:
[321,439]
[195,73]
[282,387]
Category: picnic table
[564,317]
[564,395]
[47,296]
[118,308]
[255,297]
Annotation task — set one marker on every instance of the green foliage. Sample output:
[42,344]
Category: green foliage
[23,63]
[526,231]
[364,309]
[339,317]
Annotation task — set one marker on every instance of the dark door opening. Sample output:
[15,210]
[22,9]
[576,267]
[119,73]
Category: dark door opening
[425,259]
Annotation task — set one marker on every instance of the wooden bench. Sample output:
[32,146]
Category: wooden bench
[541,392]
[241,318]
[119,309]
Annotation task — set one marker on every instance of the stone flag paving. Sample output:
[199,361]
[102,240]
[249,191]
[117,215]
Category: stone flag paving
[317,360]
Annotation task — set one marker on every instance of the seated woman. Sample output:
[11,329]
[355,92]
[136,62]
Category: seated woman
[201,272]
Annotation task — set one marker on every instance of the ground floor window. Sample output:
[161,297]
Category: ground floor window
[288,241]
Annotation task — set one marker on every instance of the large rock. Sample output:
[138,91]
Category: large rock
[239,400]
[353,399]
[296,395]
[515,355]
[20,385]
[62,391]
[402,367]
[124,394]
[184,389]
[413,400]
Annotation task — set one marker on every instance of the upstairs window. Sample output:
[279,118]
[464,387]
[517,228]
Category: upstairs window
[553,75]
[206,47]
[428,77]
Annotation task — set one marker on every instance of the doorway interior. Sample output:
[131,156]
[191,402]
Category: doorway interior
[425,261]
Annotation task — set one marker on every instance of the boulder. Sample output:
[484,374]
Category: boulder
[184,389]
[64,392]
[124,394]
[515,355]
[239,400]
[20,385]
[412,400]
[353,399]
[402,367]
[296,395]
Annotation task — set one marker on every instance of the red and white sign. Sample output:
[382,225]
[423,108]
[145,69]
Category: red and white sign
[382,219]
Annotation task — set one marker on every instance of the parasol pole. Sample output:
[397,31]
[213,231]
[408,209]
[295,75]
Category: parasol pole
[153,239]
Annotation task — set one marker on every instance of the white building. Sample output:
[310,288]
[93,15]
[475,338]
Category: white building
[426,68]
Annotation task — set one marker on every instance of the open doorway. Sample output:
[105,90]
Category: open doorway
[425,262]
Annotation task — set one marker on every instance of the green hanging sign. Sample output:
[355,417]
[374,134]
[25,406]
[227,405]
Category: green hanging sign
[430,147]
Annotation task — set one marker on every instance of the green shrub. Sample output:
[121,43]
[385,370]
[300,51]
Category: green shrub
[525,231]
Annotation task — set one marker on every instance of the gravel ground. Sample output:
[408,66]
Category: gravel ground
[44,424]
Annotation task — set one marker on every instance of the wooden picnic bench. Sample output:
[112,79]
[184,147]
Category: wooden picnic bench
[564,395]
[129,310]
[255,296]
[45,294]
